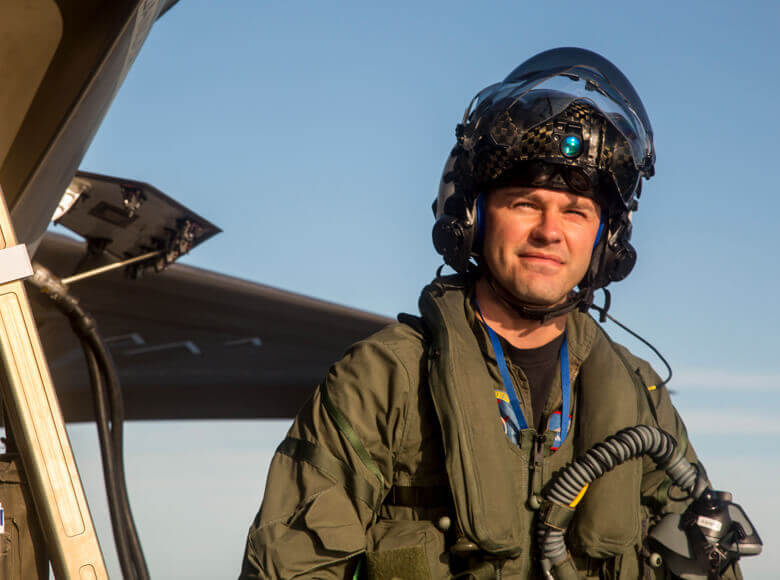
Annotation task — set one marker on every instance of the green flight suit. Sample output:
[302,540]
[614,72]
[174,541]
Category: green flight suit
[22,546]
[402,413]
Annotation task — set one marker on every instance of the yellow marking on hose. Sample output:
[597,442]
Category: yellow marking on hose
[577,499]
[502,395]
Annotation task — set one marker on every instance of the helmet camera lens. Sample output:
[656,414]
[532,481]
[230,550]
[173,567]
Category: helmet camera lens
[571,146]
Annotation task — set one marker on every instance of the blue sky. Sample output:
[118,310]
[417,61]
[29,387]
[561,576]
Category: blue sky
[314,134]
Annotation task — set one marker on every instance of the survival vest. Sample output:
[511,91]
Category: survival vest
[493,481]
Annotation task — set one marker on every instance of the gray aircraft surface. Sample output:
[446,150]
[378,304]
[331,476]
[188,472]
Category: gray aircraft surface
[187,343]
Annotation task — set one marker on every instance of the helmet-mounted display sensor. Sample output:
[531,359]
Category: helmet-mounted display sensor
[565,119]
[571,146]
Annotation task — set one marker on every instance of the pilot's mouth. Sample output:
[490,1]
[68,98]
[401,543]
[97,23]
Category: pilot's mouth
[542,258]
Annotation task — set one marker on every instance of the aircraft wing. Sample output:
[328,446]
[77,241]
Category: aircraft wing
[192,344]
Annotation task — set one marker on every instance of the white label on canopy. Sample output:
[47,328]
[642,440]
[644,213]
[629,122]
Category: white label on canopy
[14,264]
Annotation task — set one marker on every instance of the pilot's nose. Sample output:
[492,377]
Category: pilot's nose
[547,230]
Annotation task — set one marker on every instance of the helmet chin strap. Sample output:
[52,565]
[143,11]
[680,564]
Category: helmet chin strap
[532,311]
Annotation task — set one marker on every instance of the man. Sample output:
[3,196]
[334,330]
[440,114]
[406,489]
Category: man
[426,451]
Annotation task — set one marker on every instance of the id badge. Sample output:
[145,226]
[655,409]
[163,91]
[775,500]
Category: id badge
[554,424]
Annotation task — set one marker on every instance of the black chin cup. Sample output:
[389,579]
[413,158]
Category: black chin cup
[544,313]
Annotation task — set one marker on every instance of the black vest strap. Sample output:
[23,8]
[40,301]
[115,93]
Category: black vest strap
[419,497]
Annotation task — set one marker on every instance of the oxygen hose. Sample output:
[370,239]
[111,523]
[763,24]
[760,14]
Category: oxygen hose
[109,408]
[571,483]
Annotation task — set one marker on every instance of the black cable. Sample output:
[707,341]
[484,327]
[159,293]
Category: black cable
[604,315]
[115,406]
[109,468]
[109,418]
[117,419]
[113,403]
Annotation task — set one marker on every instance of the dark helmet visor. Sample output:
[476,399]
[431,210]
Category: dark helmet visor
[558,60]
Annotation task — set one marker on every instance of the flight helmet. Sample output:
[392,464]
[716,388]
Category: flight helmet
[565,119]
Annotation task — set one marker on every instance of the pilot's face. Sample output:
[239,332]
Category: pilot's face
[538,242]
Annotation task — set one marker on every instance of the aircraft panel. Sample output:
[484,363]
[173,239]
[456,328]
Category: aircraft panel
[84,50]
[192,344]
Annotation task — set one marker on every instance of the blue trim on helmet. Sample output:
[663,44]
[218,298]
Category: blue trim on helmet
[601,229]
[480,222]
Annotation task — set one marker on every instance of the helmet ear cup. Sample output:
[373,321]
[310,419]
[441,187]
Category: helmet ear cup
[453,239]
[620,260]
[619,255]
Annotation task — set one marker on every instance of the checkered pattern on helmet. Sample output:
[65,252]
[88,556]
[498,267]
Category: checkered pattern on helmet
[491,163]
[504,131]
[503,144]
[517,145]
[616,158]
[578,112]
[538,142]
[622,158]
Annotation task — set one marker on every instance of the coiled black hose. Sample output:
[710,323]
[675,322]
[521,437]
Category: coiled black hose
[627,444]
[109,418]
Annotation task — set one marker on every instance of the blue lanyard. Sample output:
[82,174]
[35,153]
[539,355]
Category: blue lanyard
[514,413]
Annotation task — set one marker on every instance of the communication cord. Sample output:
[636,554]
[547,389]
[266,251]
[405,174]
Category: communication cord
[109,417]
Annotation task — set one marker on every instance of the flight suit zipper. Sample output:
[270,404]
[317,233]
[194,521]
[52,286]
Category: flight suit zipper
[535,466]
[537,454]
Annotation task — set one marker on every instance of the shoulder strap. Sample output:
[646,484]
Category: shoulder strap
[350,435]
[636,378]
[415,322]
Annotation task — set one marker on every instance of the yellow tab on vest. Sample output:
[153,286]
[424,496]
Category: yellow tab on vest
[501,395]
[651,388]
[580,495]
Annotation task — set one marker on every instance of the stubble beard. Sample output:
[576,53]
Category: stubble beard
[524,289]
[521,293]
